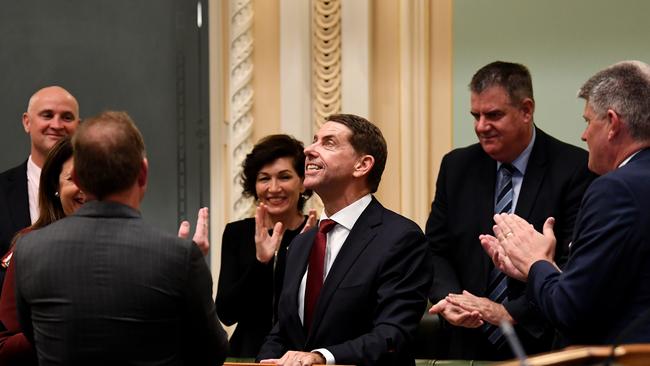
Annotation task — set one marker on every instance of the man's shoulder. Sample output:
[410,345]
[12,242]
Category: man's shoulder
[466,153]
[633,177]
[393,220]
[17,171]
[560,149]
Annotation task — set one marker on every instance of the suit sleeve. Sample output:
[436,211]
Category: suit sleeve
[608,236]
[445,279]
[206,342]
[274,345]
[520,308]
[237,284]
[402,285]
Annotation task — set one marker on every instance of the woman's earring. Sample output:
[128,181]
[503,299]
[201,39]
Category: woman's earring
[56,194]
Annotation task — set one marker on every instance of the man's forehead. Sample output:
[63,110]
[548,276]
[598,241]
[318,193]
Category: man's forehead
[54,102]
[53,96]
[331,128]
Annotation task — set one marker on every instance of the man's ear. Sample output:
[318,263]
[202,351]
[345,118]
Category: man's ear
[142,175]
[528,109]
[363,165]
[615,125]
[26,122]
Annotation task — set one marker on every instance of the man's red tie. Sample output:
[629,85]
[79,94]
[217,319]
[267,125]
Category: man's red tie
[316,273]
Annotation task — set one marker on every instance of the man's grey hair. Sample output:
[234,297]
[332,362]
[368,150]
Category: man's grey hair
[625,88]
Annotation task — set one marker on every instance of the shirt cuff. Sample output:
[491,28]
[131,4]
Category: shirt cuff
[329,357]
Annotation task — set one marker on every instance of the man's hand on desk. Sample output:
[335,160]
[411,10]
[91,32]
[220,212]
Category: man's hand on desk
[295,358]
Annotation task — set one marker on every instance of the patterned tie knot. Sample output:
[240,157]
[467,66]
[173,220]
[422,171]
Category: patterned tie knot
[507,169]
[326,225]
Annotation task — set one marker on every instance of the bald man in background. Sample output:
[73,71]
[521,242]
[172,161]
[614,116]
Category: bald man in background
[52,113]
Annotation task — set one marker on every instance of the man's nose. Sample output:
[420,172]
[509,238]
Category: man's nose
[56,122]
[481,124]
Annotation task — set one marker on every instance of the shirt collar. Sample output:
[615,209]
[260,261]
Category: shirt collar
[627,160]
[33,171]
[349,215]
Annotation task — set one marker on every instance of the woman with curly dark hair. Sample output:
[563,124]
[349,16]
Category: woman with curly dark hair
[254,249]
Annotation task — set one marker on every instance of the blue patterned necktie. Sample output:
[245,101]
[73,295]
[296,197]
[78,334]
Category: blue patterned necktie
[498,282]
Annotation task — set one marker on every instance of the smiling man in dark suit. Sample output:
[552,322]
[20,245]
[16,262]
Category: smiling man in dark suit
[515,167]
[103,287]
[355,286]
[52,113]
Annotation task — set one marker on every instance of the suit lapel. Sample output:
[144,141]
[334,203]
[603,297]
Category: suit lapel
[363,231]
[18,198]
[533,177]
[298,254]
[486,176]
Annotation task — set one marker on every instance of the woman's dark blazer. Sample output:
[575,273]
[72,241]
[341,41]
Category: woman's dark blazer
[249,290]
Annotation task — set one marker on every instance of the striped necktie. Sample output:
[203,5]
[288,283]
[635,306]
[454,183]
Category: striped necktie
[497,289]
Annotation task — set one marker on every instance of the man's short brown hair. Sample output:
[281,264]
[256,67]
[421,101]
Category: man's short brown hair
[108,153]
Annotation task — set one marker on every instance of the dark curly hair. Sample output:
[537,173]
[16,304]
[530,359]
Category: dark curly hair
[266,151]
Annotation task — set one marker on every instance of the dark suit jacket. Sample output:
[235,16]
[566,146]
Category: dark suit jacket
[249,290]
[603,295]
[554,182]
[372,298]
[14,204]
[101,287]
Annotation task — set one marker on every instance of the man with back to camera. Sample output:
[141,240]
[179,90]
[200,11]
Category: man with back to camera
[602,295]
[102,287]
[515,167]
[52,113]
[355,286]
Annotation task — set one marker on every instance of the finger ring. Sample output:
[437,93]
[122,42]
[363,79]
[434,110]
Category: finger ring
[509,234]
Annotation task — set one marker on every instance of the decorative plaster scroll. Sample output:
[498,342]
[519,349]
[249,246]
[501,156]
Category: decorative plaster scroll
[240,100]
[326,59]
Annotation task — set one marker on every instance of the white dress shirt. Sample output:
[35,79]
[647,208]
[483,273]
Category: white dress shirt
[33,179]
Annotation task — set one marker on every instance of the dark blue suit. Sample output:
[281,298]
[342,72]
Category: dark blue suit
[605,286]
[372,298]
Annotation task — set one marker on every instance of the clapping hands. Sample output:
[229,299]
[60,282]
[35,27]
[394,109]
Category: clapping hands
[201,234]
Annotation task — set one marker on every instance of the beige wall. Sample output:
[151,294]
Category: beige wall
[385,94]
[266,57]
[562,42]
[408,91]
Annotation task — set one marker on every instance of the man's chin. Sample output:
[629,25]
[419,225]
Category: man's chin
[490,148]
[310,183]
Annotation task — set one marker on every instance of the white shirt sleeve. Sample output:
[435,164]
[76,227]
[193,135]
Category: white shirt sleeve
[329,357]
